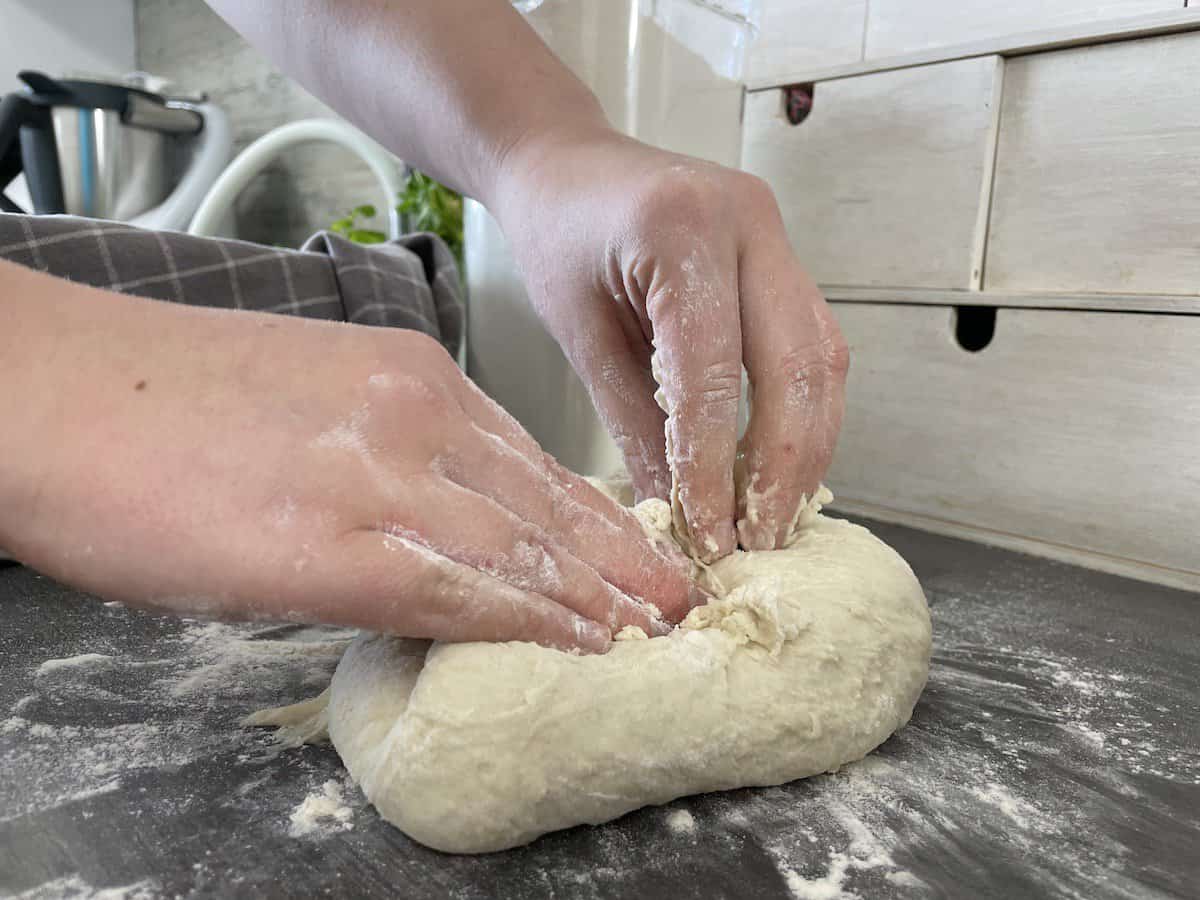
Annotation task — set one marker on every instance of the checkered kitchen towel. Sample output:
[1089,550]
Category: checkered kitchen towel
[409,283]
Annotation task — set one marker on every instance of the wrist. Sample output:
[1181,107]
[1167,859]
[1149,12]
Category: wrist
[525,161]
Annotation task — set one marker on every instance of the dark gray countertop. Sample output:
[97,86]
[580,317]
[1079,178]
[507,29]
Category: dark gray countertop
[1056,752]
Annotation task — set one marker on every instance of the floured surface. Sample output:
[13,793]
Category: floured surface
[1063,696]
[807,659]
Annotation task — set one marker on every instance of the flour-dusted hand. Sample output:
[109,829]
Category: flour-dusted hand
[256,466]
[629,251]
[624,248]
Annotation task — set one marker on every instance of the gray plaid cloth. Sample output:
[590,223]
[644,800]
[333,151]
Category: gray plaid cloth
[410,283]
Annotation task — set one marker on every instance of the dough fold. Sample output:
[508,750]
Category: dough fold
[811,658]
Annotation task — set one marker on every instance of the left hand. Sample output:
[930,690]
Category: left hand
[628,250]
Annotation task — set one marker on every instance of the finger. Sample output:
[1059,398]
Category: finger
[697,337]
[489,416]
[576,516]
[622,389]
[476,531]
[660,575]
[390,584]
[797,360]
[493,417]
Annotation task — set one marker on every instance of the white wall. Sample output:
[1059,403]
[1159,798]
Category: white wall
[64,37]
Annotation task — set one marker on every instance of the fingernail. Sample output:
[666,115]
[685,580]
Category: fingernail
[592,636]
[658,628]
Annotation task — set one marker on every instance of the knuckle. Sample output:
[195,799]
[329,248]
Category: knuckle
[684,193]
[838,356]
[831,355]
[415,388]
[720,384]
[430,398]
[755,191]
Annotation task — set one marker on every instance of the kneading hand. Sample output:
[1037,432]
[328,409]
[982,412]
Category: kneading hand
[255,466]
[629,250]
[624,248]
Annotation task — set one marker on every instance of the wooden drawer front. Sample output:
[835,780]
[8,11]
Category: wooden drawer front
[906,26]
[1098,170]
[885,182]
[1075,434]
[795,35]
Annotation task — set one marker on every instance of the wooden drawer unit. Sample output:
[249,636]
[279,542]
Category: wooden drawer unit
[906,26]
[1071,434]
[1098,170]
[885,183]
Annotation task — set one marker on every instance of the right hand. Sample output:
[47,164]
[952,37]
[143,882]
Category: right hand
[253,466]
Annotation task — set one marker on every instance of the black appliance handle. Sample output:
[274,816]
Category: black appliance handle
[14,111]
[27,145]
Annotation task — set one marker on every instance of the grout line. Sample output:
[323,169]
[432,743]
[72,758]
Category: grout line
[862,54]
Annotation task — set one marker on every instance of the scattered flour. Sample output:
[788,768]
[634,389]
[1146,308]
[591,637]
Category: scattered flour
[322,810]
[828,887]
[1004,800]
[73,887]
[680,821]
[70,662]
[160,699]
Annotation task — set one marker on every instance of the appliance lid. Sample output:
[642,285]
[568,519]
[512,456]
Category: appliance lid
[137,108]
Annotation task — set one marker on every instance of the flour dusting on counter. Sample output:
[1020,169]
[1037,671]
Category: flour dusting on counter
[154,703]
[324,809]
[75,888]
[1055,752]
[83,659]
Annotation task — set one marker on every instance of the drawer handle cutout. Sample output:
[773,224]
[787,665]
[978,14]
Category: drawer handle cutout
[798,101]
[974,326]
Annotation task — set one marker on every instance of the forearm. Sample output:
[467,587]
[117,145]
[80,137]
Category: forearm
[34,385]
[73,360]
[451,86]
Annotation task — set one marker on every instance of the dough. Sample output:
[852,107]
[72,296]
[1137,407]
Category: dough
[811,657]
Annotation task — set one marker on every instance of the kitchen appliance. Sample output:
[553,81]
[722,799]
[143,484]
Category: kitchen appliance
[110,149]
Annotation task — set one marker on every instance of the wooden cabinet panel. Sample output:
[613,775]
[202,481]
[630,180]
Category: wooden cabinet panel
[885,183]
[1071,433]
[1097,177]
[795,35]
[904,26]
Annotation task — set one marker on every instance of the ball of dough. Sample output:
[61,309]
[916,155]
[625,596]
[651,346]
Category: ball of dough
[810,659]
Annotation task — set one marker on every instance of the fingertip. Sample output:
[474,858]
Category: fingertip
[659,628]
[756,536]
[591,637]
[715,543]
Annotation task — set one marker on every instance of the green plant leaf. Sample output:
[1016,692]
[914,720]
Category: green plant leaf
[427,206]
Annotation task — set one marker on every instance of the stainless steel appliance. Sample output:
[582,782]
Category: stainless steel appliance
[110,149]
